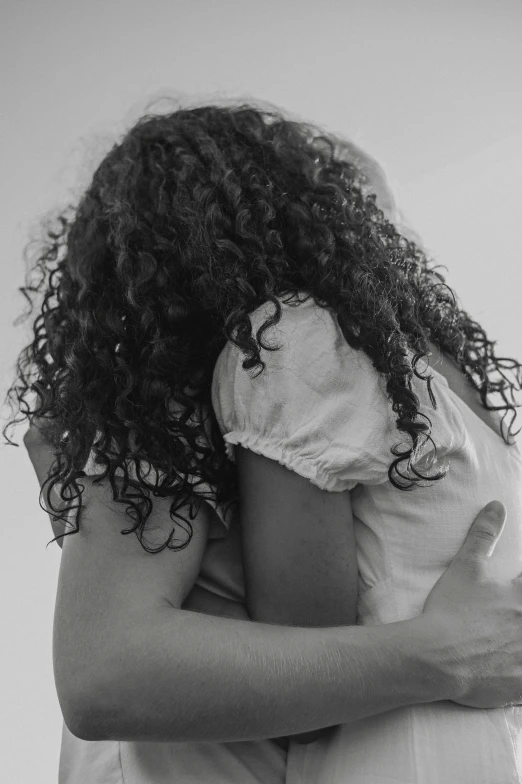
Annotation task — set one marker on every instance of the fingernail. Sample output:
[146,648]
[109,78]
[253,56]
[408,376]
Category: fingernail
[494,509]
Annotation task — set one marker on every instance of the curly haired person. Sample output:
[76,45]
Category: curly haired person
[276,425]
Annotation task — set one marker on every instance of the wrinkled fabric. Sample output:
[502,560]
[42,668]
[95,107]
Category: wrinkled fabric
[123,762]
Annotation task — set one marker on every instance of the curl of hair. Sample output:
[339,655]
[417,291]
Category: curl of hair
[191,221]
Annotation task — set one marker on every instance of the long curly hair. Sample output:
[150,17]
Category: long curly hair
[192,221]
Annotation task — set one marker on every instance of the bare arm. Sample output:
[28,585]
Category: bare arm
[129,664]
[322,610]
[298,546]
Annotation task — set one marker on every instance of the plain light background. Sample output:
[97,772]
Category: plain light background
[431,90]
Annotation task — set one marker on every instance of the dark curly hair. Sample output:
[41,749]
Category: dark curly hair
[193,220]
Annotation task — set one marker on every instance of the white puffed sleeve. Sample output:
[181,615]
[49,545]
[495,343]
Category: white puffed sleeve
[319,407]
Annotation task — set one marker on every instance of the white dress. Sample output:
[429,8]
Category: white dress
[320,408]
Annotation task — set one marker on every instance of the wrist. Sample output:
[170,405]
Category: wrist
[432,657]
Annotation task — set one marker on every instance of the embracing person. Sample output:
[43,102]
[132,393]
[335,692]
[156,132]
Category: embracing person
[276,425]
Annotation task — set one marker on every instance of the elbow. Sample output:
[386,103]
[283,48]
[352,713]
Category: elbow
[96,686]
[121,708]
[111,696]
[91,710]
[88,717]
[83,724]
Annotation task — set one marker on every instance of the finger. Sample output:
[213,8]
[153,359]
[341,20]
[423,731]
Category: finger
[484,533]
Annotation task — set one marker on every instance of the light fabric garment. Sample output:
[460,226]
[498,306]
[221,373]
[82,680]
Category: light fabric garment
[320,408]
[122,762]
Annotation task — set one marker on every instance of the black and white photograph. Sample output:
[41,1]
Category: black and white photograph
[261,365]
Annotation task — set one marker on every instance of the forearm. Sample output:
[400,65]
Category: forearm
[184,676]
[203,601]
[320,614]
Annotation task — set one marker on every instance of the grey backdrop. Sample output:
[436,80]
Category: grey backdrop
[432,90]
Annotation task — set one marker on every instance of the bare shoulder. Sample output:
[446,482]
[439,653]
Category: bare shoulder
[100,554]
[109,584]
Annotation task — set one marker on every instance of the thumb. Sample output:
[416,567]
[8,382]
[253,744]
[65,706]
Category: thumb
[484,533]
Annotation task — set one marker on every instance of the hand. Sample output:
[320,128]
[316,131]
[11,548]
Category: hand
[477,621]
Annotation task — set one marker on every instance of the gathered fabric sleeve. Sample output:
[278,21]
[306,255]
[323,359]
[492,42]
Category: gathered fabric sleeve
[318,407]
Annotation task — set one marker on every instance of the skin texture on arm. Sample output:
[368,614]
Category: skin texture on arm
[298,546]
[198,600]
[130,664]
[203,601]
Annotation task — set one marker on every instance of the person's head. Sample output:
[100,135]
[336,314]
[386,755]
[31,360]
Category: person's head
[375,180]
[191,221]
